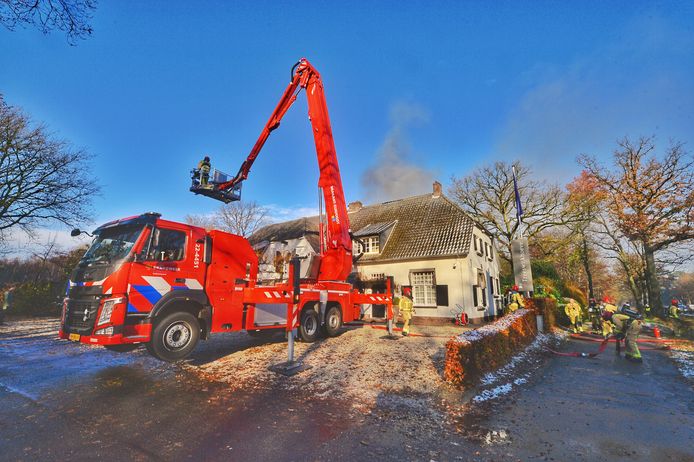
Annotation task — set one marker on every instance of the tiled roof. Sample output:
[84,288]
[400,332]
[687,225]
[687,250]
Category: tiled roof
[374,228]
[426,227]
[288,230]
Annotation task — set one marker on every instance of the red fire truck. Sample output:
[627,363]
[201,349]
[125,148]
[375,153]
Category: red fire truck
[166,284]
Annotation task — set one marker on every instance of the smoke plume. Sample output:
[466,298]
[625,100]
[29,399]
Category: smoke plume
[395,175]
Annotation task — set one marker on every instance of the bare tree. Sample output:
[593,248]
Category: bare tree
[203,221]
[487,196]
[42,179]
[650,200]
[627,255]
[242,218]
[70,16]
[44,254]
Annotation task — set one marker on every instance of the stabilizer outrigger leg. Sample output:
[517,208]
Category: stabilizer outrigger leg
[292,366]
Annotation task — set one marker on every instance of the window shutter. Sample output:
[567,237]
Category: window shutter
[474,296]
[442,295]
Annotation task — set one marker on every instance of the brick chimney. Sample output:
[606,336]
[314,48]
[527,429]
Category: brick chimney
[354,206]
[437,190]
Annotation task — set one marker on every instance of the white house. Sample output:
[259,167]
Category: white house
[426,242]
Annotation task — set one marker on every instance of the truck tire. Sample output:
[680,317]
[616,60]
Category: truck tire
[122,348]
[309,328]
[333,321]
[174,336]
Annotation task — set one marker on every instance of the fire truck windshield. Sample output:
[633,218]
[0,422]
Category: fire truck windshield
[111,245]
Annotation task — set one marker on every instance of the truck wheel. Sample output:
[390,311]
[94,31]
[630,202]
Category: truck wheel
[174,336]
[309,327]
[333,321]
[122,348]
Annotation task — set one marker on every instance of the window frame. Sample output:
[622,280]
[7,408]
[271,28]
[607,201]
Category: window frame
[149,247]
[368,242]
[432,288]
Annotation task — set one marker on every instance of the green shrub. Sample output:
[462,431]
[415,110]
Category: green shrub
[43,299]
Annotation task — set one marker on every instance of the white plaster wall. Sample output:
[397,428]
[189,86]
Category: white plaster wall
[459,281]
[489,267]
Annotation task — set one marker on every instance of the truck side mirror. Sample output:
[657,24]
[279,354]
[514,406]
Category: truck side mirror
[75,232]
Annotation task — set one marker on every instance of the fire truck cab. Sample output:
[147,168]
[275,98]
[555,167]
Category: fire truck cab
[144,273]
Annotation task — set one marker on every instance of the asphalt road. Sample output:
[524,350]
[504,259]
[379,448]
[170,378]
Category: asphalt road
[69,402]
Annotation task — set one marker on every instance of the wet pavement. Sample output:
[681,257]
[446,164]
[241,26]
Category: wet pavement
[67,401]
[605,408]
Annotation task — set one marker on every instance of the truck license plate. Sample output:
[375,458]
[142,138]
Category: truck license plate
[74,337]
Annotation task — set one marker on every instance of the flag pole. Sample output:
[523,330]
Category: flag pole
[519,207]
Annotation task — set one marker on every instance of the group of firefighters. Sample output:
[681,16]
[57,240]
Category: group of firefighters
[607,320]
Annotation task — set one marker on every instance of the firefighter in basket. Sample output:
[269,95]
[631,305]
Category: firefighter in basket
[406,309]
[628,323]
[202,172]
[515,301]
[573,311]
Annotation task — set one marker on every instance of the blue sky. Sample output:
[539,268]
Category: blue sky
[437,87]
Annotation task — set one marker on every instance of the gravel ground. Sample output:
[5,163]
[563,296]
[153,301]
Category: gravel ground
[361,364]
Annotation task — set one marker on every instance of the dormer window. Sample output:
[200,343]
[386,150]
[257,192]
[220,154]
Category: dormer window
[371,245]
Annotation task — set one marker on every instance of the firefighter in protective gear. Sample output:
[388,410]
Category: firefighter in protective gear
[628,327]
[607,311]
[674,310]
[573,311]
[595,319]
[515,301]
[204,167]
[406,309]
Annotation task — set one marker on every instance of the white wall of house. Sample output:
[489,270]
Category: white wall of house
[266,262]
[460,274]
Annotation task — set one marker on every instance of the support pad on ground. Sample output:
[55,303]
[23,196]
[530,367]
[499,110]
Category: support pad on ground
[289,368]
[391,337]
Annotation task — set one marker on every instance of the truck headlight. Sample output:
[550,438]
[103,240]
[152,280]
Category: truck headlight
[107,310]
[107,331]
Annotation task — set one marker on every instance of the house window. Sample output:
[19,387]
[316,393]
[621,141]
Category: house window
[479,294]
[371,245]
[479,290]
[478,246]
[423,288]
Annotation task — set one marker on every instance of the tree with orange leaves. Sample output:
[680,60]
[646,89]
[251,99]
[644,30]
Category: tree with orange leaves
[583,204]
[650,199]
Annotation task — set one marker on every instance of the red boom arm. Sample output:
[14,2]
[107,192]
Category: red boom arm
[336,263]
